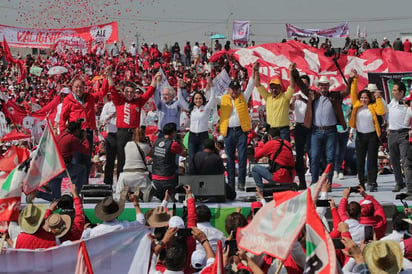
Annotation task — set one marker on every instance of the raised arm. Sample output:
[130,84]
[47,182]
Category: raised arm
[292,67]
[212,98]
[298,81]
[181,100]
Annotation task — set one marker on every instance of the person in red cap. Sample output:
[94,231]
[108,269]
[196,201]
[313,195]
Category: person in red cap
[277,102]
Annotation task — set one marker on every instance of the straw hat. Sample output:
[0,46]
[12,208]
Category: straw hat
[159,217]
[61,222]
[31,217]
[383,257]
[323,80]
[108,209]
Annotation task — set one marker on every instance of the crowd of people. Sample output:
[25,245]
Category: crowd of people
[125,114]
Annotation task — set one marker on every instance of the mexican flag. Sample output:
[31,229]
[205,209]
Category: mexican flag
[320,252]
[10,194]
[46,163]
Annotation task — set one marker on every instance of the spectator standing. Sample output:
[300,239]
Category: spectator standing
[108,120]
[323,113]
[398,134]
[277,102]
[115,51]
[187,50]
[364,119]
[407,45]
[133,50]
[397,44]
[203,52]
[234,126]
[302,134]
[128,107]
[196,52]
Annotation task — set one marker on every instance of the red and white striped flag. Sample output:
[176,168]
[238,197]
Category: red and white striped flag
[83,265]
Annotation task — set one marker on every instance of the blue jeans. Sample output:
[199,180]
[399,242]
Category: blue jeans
[78,176]
[302,138]
[323,141]
[285,133]
[341,150]
[82,159]
[259,172]
[161,187]
[236,139]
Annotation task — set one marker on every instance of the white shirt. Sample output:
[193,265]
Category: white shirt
[195,50]
[364,121]
[213,235]
[395,236]
[133,158]
[107,227]
[109,109]
[300,108]
[132,50]
[234,117]
[408,117]
[396,115]
[357,230]
[199,116]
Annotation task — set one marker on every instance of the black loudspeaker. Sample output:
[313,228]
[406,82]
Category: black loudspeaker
[206,188]
[95,193]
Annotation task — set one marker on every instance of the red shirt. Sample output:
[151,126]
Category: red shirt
[40,239]
[128,112]
[284,158]
[72,110]
[67,144]
[77,227]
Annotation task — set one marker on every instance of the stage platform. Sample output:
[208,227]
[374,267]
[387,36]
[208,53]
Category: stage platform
[220,210]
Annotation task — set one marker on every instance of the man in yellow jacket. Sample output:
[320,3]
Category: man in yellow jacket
[234,126]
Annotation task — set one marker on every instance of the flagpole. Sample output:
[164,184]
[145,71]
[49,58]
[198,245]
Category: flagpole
[279,268]
[3,239]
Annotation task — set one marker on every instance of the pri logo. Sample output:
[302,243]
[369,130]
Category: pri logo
[101,34]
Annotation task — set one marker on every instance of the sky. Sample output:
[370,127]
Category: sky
[167,21]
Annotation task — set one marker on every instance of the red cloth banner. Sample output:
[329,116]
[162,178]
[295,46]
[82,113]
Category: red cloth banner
[275,58]
[48,38]
[339,31]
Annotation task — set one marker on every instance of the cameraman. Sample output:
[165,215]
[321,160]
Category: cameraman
[71,140]
[281,163]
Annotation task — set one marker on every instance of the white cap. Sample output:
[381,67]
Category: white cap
[198,259]
[176,221]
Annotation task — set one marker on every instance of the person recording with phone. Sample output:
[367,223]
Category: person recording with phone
[368,212]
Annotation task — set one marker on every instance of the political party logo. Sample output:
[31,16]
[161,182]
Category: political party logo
[316,252]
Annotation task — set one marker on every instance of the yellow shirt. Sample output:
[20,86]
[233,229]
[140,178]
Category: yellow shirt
[277,108]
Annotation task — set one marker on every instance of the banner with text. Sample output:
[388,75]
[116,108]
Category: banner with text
[48,38]
[339,31]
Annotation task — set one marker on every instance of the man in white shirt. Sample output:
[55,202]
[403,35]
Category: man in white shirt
[108,210]
[108,120]
[203,223]
[400,228]
[398,134]
[133,49]
[196,52]
[302,134]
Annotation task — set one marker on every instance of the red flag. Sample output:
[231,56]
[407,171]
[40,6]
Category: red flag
[320,252]
[10,59]
[83,265]
[13,156]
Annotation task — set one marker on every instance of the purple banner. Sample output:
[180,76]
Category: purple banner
[339,31]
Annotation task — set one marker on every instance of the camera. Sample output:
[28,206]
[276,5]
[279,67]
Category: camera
[401,196]
[403,101]
[354,189]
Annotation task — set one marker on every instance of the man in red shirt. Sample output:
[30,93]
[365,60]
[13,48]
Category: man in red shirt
[281,163]
[70,141]
[81,105]
[128,106]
